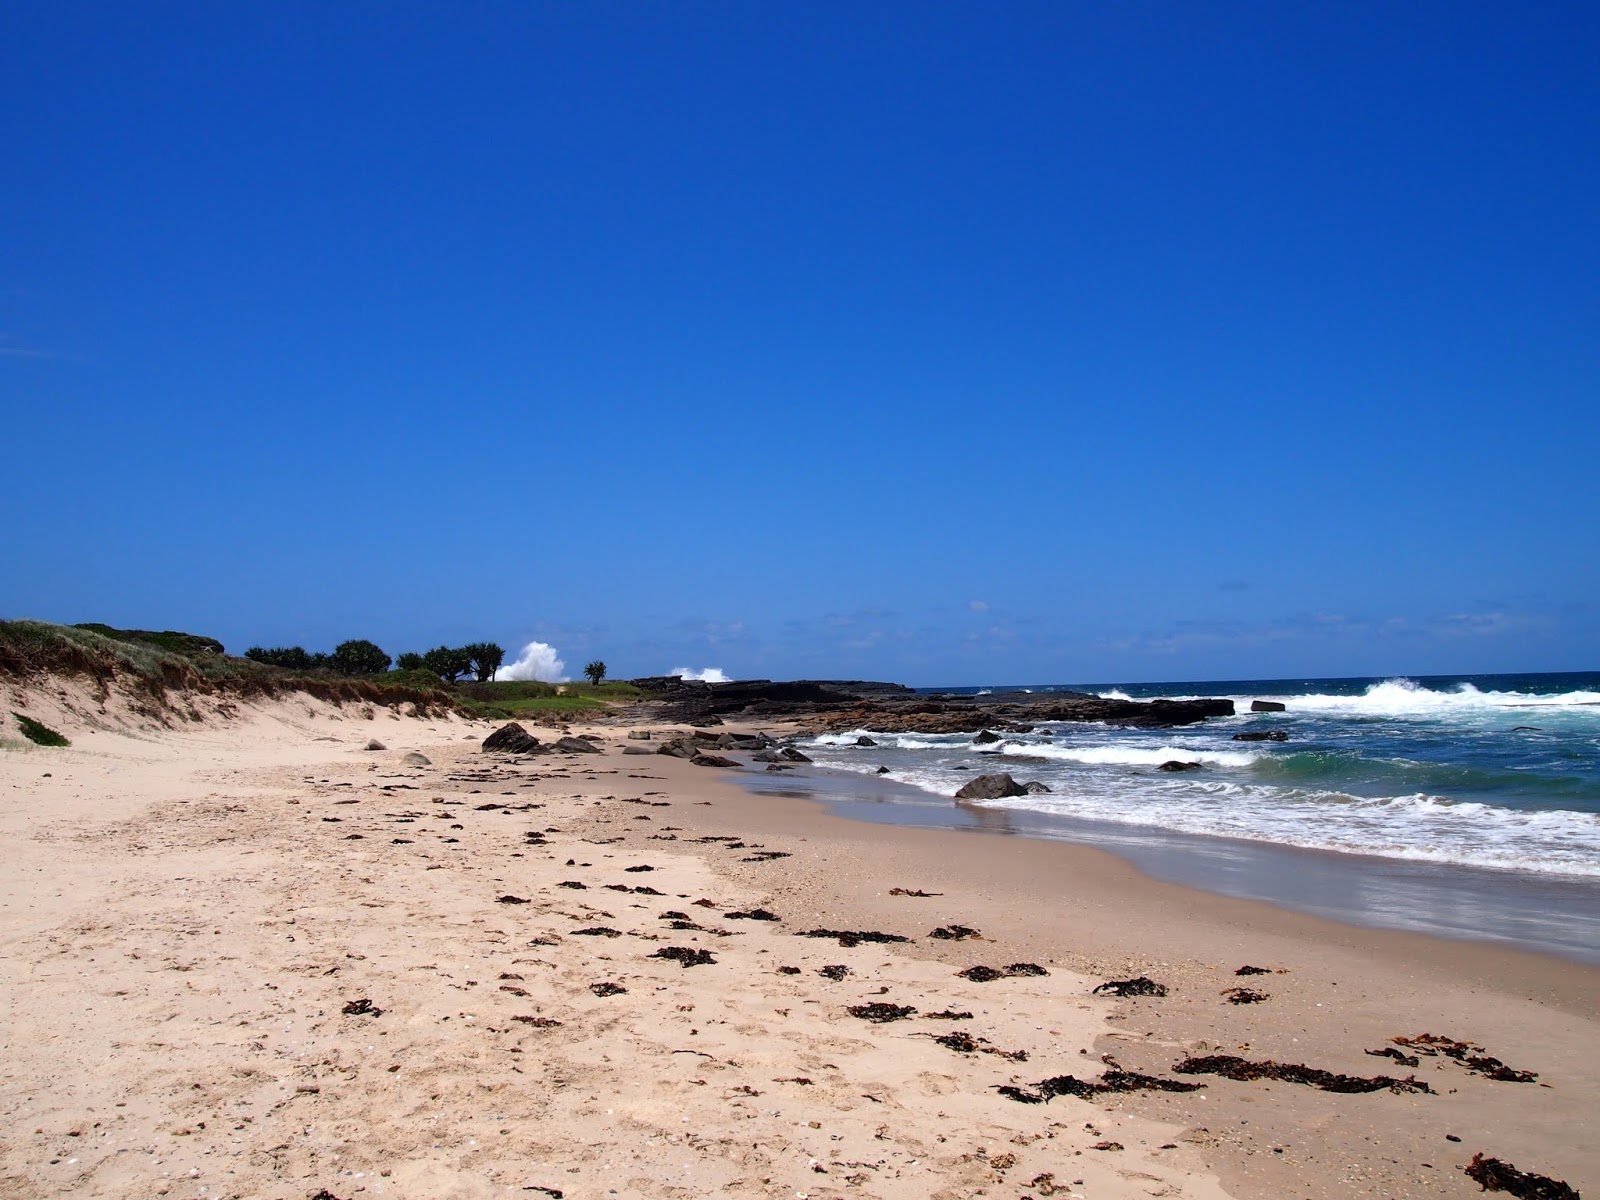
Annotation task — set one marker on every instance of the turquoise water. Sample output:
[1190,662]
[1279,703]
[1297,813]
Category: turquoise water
[1464,806]
[1499,772]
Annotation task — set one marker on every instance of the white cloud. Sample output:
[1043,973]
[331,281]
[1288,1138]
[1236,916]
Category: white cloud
[708,675]
[537,661]
[978,606]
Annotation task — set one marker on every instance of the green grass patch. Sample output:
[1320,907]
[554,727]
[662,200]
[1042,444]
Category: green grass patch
[189,645]
[553,704]
[39,734]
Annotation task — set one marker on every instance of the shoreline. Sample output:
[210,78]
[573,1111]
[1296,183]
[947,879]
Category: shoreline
[1478,905]
[189,913]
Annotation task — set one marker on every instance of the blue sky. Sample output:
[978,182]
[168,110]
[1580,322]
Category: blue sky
[940,342]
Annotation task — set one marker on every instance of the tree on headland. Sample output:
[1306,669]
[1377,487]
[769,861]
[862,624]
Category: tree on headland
[410,661]
[359,657]
[486,658]
[293,658]
[596,671]
[448,663]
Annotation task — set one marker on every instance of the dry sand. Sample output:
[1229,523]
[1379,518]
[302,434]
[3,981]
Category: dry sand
[185,915]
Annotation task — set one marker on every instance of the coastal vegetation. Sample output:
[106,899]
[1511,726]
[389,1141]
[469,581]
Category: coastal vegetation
[155,668]
[38,732]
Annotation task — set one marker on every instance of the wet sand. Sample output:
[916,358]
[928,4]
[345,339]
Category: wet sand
[189,915]
[1546,914]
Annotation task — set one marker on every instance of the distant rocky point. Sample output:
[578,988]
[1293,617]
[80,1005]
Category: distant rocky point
[833,705]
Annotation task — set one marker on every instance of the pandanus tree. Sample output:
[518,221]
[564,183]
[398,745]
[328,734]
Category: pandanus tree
[596,671]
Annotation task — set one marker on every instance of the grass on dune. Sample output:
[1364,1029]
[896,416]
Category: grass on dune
[38,733]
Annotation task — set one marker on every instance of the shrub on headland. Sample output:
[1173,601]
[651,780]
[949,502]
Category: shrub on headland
[290,658]
[359,657]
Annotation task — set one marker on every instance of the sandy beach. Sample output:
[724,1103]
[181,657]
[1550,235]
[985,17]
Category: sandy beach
[252,958]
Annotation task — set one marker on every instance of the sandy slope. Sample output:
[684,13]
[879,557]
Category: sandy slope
[186,914]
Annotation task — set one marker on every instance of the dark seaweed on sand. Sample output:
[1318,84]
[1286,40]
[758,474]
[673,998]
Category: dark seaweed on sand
[1142,986]
[1230,1066]
[597,931]
[539,1022]
[854,937]
[834,971]
[947,1015]
[1243,995]
[1115,1080]
[982,974]
[755,914]
[1249,970]
[1474,1058]
[607,988]
[964,1043]
[510,899]
[878,1012]
[1493,1175]
[900,891]
[685,956]
[1405,1060]
[766,856]
[362,1008]
[954,933]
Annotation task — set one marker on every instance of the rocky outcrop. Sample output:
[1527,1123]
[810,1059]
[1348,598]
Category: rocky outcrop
[576,745]
[712,760]
[840,706]
[986,737]
[1176,765]
[414,759]
[511,738]
[991,787]
[1262,735]
[1267,706]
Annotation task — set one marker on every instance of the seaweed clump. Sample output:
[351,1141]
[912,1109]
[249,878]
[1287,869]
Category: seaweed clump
[1473,1058]
[685,956]
[982,974]
[854,937]
[1116,1080]
[1493,1175]
[1142,986]
[1244,995]
[1230,1066]
[878,1012]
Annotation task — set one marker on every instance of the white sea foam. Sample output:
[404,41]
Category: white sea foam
[1416,827]
[707,675]
[1407,698]
[897,741]
[538,660]
[1128,756]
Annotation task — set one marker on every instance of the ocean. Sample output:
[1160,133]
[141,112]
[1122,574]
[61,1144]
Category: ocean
[1466,806]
